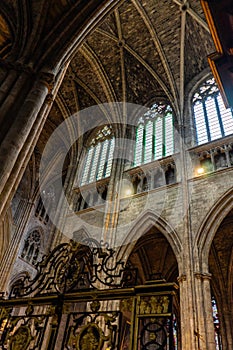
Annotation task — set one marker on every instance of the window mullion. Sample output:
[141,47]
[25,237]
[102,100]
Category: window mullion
[164,137]
[206,121]
[219,116]
[154,141]
[144,143]
[106,158]
[107,171]
[91,164]
[99,160]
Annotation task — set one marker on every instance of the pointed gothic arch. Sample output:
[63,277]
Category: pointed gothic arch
[209,227]
[143,224]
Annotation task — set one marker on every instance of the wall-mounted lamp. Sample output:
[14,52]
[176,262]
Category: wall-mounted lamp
[200,171]
[128,192]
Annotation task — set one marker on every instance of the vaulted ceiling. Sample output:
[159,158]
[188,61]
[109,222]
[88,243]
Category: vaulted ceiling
[141,51]
[144,49]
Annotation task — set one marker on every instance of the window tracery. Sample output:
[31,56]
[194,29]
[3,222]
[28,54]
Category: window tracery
[154,134]
[31,247]
[212,120]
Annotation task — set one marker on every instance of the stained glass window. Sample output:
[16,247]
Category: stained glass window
[154,135]
[216,324]
[212,119]
[99,156]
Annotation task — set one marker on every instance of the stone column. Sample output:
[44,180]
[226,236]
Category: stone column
[187,315]
[113,196]
[22,138]
[205,330]
[20,129]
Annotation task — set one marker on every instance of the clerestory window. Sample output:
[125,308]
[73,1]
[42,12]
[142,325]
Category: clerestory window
[154,134]
[99,156]
[212,119]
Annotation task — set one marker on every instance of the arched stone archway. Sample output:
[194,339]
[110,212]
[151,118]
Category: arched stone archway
[144,224]
[154,260]
[220,261]
[209,228]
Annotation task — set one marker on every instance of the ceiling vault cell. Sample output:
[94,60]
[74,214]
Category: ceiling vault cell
[142,61]
[158,47]
[98,68]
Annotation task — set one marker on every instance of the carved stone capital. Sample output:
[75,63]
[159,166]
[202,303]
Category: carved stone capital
[47,79]
[17,66]
[203,275]
[49,98]
[182,278]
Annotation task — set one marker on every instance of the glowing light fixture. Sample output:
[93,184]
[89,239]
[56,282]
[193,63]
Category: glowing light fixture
[200,171]
[128,192]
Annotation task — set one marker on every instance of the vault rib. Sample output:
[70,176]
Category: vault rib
[142,61]
[158,47]
[91,57]
[123,76]
[194,15]
[182,60]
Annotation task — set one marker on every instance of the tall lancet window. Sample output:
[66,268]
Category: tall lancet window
[99,156]
[212,119]
[154,134]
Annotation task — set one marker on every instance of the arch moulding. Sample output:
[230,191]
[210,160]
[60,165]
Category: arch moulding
[144,223]
[209,227]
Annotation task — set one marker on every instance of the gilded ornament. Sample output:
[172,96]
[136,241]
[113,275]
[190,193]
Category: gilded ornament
[90,338]
[21,339]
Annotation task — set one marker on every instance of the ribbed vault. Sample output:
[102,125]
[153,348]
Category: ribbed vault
[141,51]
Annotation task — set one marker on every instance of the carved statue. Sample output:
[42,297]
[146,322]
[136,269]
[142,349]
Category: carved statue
[165,304]
[154,304]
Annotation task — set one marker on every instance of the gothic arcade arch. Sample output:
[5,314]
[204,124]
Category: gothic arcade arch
[209,227]
[144,223]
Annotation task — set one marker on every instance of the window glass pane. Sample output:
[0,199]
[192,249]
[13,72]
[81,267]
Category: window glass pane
[214,127]
[200,123]
[94,163]
[148,142]
[110,158]
[98,160]
[169,142]
[139,145]
[87,165]
[227,117]
[102,160]
[154,134]
[159,138]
